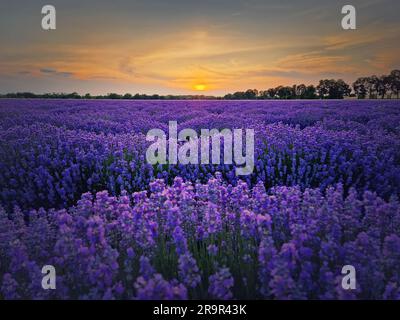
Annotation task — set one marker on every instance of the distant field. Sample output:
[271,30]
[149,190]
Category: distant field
[76,192]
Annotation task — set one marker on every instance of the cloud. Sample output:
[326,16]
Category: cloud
[254,43]
[50,71]
[354,39]
[45,70]
[386,60]
[313,62]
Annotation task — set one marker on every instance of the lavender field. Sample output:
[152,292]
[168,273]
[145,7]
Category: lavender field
[77,193]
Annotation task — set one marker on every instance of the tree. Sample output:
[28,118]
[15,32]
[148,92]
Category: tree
[228,96]
[272,93]
[333,89]
[239,95]
[285,92]
[264,94]
[72,95]
[372,86]
[343,89]
[360,87]
[383,86]
[323,89]
[310,92]
[251,94]
[394,79]
[114,96]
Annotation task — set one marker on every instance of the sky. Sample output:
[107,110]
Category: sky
[191,47]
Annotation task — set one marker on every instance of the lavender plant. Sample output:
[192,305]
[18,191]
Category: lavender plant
[77,193]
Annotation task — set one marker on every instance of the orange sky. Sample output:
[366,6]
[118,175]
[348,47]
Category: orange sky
[212,47]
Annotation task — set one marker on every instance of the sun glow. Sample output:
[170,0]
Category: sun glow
[200,87]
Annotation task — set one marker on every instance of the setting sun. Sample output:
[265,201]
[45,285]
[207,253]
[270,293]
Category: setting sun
[200,87]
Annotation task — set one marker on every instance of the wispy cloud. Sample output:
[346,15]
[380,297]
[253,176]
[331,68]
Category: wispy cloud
[231,45]
[50,71]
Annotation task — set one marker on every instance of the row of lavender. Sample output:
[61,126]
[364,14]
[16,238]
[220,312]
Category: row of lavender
[206,241]
[52,152]
[121,116]
[331,171]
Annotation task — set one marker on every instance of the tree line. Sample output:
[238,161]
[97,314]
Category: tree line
[386,86]
[373,87]
[112,96]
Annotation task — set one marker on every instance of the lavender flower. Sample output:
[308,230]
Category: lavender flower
[221,284]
